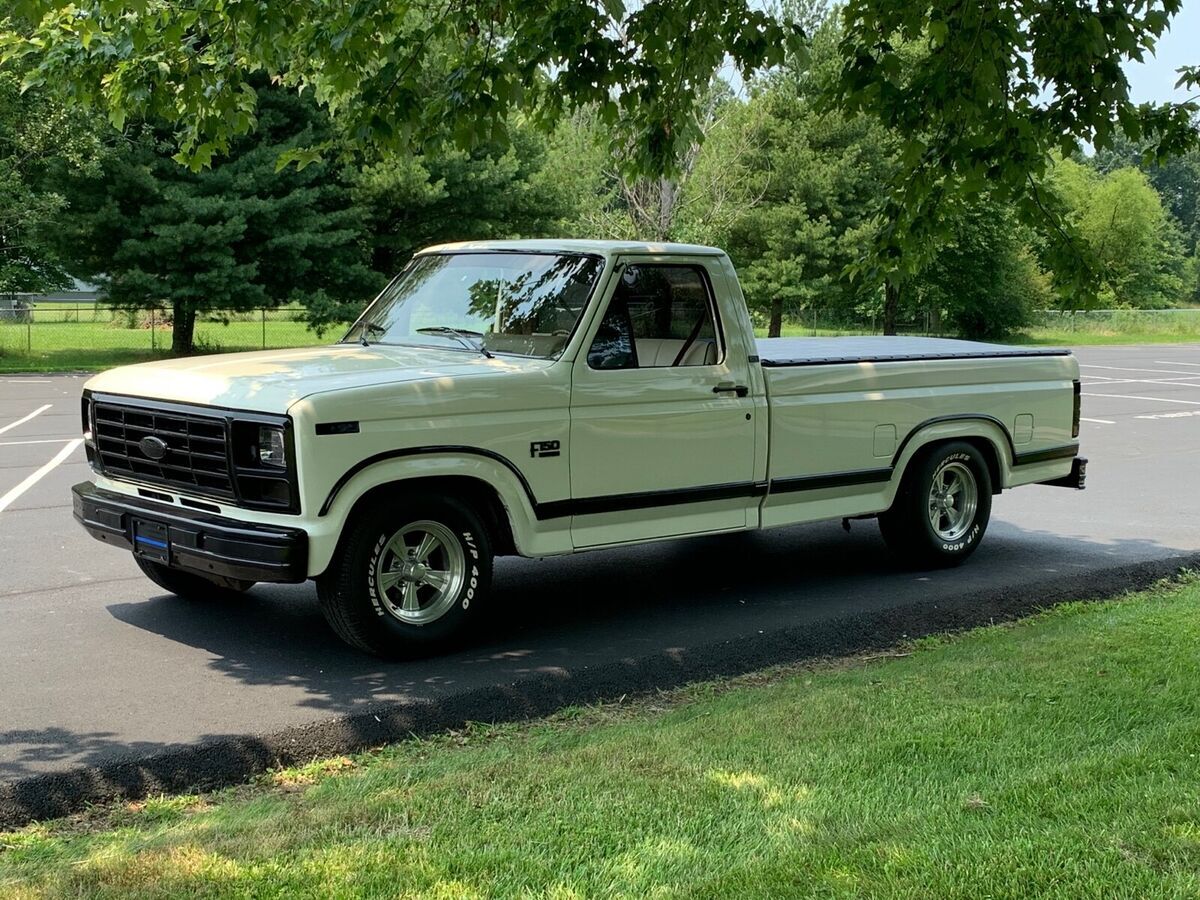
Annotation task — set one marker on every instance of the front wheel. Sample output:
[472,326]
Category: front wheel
[409,577]
[942,509]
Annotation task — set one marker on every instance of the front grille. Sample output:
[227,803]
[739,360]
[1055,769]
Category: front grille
[197,456]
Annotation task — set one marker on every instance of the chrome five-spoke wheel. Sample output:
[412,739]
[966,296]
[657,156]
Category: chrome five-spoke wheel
[942,508]
[953,499]
[420,572]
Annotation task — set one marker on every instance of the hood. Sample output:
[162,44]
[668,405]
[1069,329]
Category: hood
[272,380]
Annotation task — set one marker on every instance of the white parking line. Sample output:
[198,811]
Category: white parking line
[1191,376]
[1172,415]
[1169,382]
[1131,369]
[37,476]
[43,441]
[1171,362]
[1097,421]
[23,420]
[1135,397]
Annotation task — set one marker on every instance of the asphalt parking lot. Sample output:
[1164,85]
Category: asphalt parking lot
[98,666]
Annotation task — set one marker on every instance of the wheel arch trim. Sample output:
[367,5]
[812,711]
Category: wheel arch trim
[975,425]
[491,471]
[431,451]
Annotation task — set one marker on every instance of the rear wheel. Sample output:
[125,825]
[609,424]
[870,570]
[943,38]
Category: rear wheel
[190,585]
[942,509]
[408,579]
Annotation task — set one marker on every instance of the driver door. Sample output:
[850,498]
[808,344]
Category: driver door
[662,432]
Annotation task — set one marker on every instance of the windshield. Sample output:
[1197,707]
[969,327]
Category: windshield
[525,304]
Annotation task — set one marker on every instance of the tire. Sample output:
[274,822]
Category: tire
[190,585]
[380,594]
[920,528]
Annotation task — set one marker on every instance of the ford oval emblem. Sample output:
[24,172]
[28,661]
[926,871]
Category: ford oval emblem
[153,447]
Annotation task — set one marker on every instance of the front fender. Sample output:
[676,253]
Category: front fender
[531,536]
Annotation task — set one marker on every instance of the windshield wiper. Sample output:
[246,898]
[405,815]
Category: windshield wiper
[464,338]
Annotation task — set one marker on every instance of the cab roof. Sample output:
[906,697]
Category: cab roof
[600,248]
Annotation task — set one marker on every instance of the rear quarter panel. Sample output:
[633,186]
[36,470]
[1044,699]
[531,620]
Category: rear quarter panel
[859,417]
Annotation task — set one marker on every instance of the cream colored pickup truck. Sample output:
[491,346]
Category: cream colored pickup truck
[549,397]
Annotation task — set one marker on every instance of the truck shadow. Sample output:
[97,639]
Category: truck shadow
[561,615]
[563,632]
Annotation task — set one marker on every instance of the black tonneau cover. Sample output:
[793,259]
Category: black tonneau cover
[830,351]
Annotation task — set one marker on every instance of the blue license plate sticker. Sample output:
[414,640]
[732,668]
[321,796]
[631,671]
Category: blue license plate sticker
[152,540]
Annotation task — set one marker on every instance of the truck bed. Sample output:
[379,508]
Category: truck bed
[874,349]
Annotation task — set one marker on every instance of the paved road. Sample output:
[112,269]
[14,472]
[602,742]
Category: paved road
[97,665]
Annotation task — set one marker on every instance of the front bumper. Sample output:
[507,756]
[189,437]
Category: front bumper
[198,542]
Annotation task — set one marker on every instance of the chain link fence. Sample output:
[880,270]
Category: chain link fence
[823,323]
[1155,324]
[1164,323]
[61,332]
[93,335]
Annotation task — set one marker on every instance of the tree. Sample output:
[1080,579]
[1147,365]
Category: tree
[409,202]
[237,236]
[824,174]
[994,93]
[817,209]
[34,132]
[490,192]
[984,280]
[984,95]
[399,75]
[1177,181]
[1135,249]
[710,190]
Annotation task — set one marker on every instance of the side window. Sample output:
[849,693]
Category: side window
[612,348]
[659,316]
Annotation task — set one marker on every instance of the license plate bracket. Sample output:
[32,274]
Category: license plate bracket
[152,540]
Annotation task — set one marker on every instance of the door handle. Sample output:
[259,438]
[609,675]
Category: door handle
[727,387]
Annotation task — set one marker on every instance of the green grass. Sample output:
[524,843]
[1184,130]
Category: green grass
[1115,327]
[51,344]
[1088,338]
[1053,757]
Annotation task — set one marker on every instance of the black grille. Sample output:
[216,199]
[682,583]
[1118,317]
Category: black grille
[197,456]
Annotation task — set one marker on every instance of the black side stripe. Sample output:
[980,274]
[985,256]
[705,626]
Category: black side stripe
[1067,451]
[585,506]
[830,480]
[422,451]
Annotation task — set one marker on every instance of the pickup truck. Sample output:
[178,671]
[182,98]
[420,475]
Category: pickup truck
[550,397]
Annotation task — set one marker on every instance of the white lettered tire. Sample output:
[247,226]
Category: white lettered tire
[411,575]
[943,507]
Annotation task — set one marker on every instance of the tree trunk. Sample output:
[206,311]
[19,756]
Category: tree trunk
[666,208]
[891,306]
[184,328]
[776,323]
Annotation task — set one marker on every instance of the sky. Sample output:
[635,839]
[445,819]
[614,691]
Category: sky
[1154,80]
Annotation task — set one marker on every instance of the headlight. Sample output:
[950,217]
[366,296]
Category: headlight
[272,451]
[264,466]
